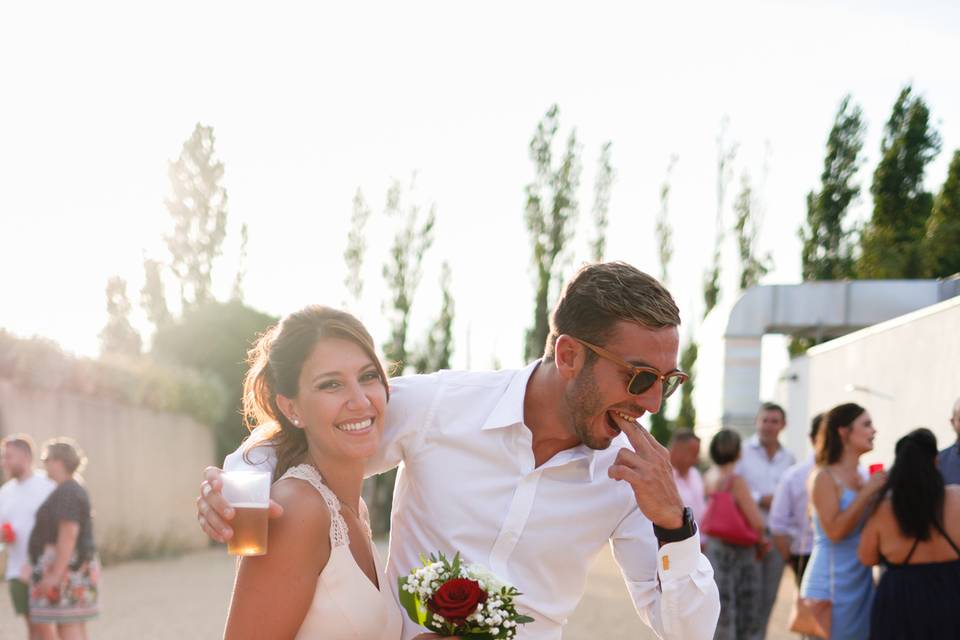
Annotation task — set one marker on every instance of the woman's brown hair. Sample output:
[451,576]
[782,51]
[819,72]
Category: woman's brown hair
[276,360]
[829,444]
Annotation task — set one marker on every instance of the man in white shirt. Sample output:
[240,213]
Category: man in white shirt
[684,454]
[20,497]
[790,521]
[763,461]
[514,469]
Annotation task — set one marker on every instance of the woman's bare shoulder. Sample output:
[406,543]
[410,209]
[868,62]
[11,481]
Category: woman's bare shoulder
[951,498]
[302,503]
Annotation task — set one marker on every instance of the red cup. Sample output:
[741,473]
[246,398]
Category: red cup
[876,467]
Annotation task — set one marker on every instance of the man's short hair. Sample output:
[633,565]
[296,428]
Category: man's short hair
[772,406]
[20,440]
[67,451]
[602,294]
[681,435]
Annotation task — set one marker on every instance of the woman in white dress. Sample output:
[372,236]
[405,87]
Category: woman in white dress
[316,383]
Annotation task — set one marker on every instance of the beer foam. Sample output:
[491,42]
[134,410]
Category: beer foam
[249,505]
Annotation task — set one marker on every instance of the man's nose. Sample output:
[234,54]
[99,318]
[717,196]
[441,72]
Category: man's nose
[651,399]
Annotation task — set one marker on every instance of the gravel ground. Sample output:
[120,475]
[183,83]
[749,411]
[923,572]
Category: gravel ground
[186,598]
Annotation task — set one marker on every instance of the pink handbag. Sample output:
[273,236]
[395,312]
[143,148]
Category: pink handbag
[724,521]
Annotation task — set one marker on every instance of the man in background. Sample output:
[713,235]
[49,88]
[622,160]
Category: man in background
[763,462]
[684,454]
[790,521]
[949,459]
[20,497]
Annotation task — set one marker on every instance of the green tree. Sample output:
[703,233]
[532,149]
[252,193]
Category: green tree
[214,337]
[402,273]
[435,355]
[356,247]
[402,270]
[892,241]
[153,299]
[198,208]
[664,230]
[602,186]
[747,229]
[550,215]
[827,252]
[687,416]
[119,337]
[660,425]
[237,293]
[943,230]
[726,153]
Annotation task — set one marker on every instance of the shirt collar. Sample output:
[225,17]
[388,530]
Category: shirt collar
[509,409]
[508,412]
[754,442]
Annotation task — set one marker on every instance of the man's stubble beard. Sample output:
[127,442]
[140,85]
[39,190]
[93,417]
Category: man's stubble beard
[583,401]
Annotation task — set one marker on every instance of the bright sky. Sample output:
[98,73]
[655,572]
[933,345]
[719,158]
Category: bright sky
[311,101]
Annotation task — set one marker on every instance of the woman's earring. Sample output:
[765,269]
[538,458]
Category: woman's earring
[296,422]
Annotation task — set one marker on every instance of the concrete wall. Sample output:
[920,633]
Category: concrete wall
[905,371]
[144,466]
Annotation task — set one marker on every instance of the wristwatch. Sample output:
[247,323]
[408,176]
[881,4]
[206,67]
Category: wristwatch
[686,530]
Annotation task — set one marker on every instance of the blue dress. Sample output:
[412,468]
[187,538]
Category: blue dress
[852,592]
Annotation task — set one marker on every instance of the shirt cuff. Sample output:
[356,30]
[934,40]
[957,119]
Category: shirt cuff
[677,560]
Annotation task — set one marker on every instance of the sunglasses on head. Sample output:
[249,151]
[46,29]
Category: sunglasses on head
[643,377]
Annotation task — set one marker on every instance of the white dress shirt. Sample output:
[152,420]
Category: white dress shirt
[690,488]
[467,483]
[790,513]
[19,501]
[761,472]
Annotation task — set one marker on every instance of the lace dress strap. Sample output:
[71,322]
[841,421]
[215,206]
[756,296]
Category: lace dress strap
[338,526]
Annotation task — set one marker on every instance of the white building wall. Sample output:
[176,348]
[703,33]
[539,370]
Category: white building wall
[792,394]
[905,371]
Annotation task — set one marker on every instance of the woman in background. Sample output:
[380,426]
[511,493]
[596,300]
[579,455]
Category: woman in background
[736,568]
[65,578]
[839,497]
[915,532]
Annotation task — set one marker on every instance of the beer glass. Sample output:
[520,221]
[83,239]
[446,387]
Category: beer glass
[248,492]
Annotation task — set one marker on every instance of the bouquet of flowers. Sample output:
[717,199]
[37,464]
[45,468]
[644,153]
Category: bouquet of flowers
[456,599]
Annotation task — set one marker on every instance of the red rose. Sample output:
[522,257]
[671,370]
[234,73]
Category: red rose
[457,599]
[6,532]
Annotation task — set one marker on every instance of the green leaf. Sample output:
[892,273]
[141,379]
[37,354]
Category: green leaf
[411,604]
[523,619]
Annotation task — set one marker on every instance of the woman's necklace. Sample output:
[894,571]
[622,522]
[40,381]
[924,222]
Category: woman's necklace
[349,508]
[339,499]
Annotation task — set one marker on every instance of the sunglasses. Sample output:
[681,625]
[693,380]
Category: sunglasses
[643,377]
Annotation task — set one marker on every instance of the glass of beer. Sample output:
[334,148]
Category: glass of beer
[248,492]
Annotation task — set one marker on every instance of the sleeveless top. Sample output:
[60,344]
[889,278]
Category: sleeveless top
[834,573]
[918,600]
[346,604]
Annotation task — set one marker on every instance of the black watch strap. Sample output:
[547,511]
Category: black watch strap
[686,530]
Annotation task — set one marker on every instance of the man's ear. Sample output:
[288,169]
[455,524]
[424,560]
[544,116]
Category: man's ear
[568,356]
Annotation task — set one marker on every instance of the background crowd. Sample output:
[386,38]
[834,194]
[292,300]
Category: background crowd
[52,568]
[831,521]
